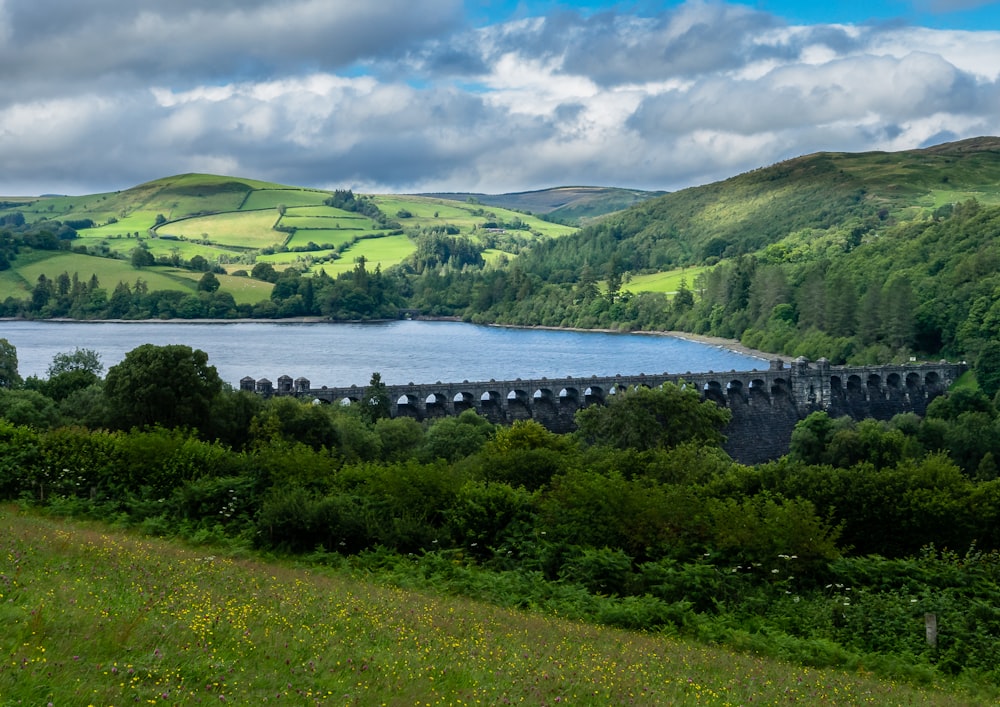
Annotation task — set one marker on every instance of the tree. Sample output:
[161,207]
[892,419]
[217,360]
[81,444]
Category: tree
[170,385]
[650,418]
[9,377]
[141,257]
[208,283]
[988,369]
[265,272]
[72,371]
[78,359]
[375,404]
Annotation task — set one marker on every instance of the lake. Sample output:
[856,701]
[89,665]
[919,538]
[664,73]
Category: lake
[335,354]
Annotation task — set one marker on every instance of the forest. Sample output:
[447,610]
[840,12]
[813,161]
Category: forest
[830,556]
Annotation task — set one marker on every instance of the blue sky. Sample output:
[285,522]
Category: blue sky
[503,95]
[939,14]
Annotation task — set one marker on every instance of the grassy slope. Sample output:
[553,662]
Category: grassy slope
[227,219]
[565,203]
[809,202]
[93,616]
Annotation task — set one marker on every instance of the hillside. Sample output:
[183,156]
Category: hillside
[566,204]
[143,237]
[865,257]
[139,619]
[837,196]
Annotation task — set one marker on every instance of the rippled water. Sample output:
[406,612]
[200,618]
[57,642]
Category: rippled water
[402,352]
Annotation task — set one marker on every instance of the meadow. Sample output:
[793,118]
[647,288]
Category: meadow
[666,282]
[234,223]
[96,616]
[244,229]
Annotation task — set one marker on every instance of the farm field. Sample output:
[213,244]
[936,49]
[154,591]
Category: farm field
[383,252]
[290,197]
[667,282]
[95,616]
[231,223]
[465,216]
[250,229]
[108,271]
[321,236]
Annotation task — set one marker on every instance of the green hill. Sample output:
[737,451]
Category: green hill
[565,204]
[827,196]
[864,257]
[230,225]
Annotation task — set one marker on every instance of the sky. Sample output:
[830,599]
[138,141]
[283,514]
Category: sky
[496,96]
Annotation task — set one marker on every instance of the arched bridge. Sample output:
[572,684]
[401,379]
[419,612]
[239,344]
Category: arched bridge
[765,404]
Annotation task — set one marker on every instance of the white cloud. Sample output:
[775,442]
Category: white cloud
[399,96]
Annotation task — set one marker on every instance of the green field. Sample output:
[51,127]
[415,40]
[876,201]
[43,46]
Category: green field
[325,211]
[290,197]
[293,220]
[384,252]
[334,237]
[666,282]
[229,221]
[95,616]
[250,229]
[463,215]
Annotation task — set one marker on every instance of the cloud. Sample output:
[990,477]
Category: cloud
[405,96]
[119,43]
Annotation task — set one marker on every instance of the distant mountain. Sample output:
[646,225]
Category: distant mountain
[567,204]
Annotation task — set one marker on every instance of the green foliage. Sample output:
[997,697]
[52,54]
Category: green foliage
[452,438]
[28,407]
[170,385]
[399,437]
[375,403]
[526,454]
[647,418]
[988,369]
[9,377]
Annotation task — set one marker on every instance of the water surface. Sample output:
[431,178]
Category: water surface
[334,354]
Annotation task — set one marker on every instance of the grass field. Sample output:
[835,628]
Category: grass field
[294,220]
[386,252]
[464,216]
[108,271]
[666,282]
[228,220]
[244,290]
[250,229]
[339,214]
[99,617]
[332,237]
[272,198]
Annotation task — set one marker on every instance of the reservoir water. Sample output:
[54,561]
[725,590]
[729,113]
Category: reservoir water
[334,354]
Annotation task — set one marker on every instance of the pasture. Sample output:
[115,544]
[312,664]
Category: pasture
[289,197]
[383,252]
[100,616]
[245,229]
[666,282]
[228,221]
[319,236]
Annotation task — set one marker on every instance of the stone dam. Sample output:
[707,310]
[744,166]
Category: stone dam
[765,404]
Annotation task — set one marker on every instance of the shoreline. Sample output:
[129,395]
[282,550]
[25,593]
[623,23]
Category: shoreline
[733,345]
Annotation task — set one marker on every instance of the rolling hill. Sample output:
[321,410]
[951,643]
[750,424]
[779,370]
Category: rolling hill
[565,204]
[233,223]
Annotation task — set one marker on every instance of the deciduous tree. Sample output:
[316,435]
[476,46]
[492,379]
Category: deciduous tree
[170,385]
